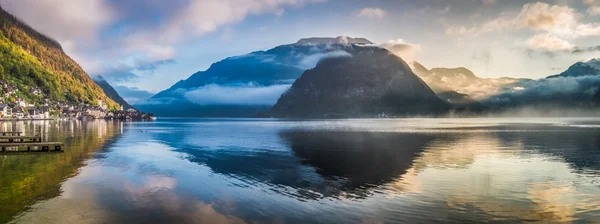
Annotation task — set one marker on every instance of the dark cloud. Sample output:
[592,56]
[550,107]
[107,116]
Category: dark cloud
[551,54]
[586,49]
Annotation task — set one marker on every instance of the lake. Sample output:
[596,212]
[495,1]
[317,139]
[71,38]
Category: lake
[306,171]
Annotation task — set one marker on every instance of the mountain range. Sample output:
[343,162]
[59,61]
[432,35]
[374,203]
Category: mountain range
[243,86]
[314,77]
[302,72]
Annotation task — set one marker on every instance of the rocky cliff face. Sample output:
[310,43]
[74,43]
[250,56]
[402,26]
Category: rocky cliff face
[361,81]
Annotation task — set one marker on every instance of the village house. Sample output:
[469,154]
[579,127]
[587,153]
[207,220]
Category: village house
[45,112]
[102,105]
[33,112]
[5,110]
[18,113]
[95,112]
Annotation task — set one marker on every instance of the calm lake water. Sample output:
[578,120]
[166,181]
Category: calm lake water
[319,171]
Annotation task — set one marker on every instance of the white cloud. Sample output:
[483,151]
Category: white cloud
[489,2]
[590,29]
[311,61]
[64,20]
[77,25]
[594,10]
[461,31]
[555,26]
[539,16]
[405,50]
[548,43]
[236,95]
[551,18]
[594,7]
[73,23]
[372,13]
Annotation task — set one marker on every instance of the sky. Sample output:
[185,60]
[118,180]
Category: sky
[144,46]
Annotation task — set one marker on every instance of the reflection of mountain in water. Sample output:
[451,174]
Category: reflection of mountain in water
[322,164]
[364,159]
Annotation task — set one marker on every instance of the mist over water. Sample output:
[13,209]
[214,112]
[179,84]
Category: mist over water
[310,171]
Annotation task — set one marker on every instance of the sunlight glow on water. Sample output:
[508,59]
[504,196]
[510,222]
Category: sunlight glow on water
[323,171]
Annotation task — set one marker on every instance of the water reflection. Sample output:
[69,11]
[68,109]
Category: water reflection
[355,162]
[349,171]
[29,178]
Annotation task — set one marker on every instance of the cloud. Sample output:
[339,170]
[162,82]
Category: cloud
[559,20]
[549,90]
[590,29]
[405,50]
[371,13]
[310,61]
[552,18]
[548,43]
[106,34]
[133,95]
[594,10]
[236,95]
[461,31]
[68,21]
[594,7]
[489,2]
[556,28]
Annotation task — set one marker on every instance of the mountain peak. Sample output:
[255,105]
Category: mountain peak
[331,40]
[594,63]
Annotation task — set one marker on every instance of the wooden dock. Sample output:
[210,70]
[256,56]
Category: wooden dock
[39,146]
[10,133]
[14,142]
[22,138]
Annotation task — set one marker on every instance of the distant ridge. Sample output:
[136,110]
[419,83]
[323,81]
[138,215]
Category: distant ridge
[111,92]
[591,67]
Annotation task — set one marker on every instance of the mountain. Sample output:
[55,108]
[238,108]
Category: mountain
[591,67]
[444,90]
[111,92]
[31,60]
[577,88]
[367,81]
[463,81]
[265,75]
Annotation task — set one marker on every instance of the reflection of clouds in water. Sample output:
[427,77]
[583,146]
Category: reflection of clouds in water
[153,200]
[480,173]
[559,202]
[451,152]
